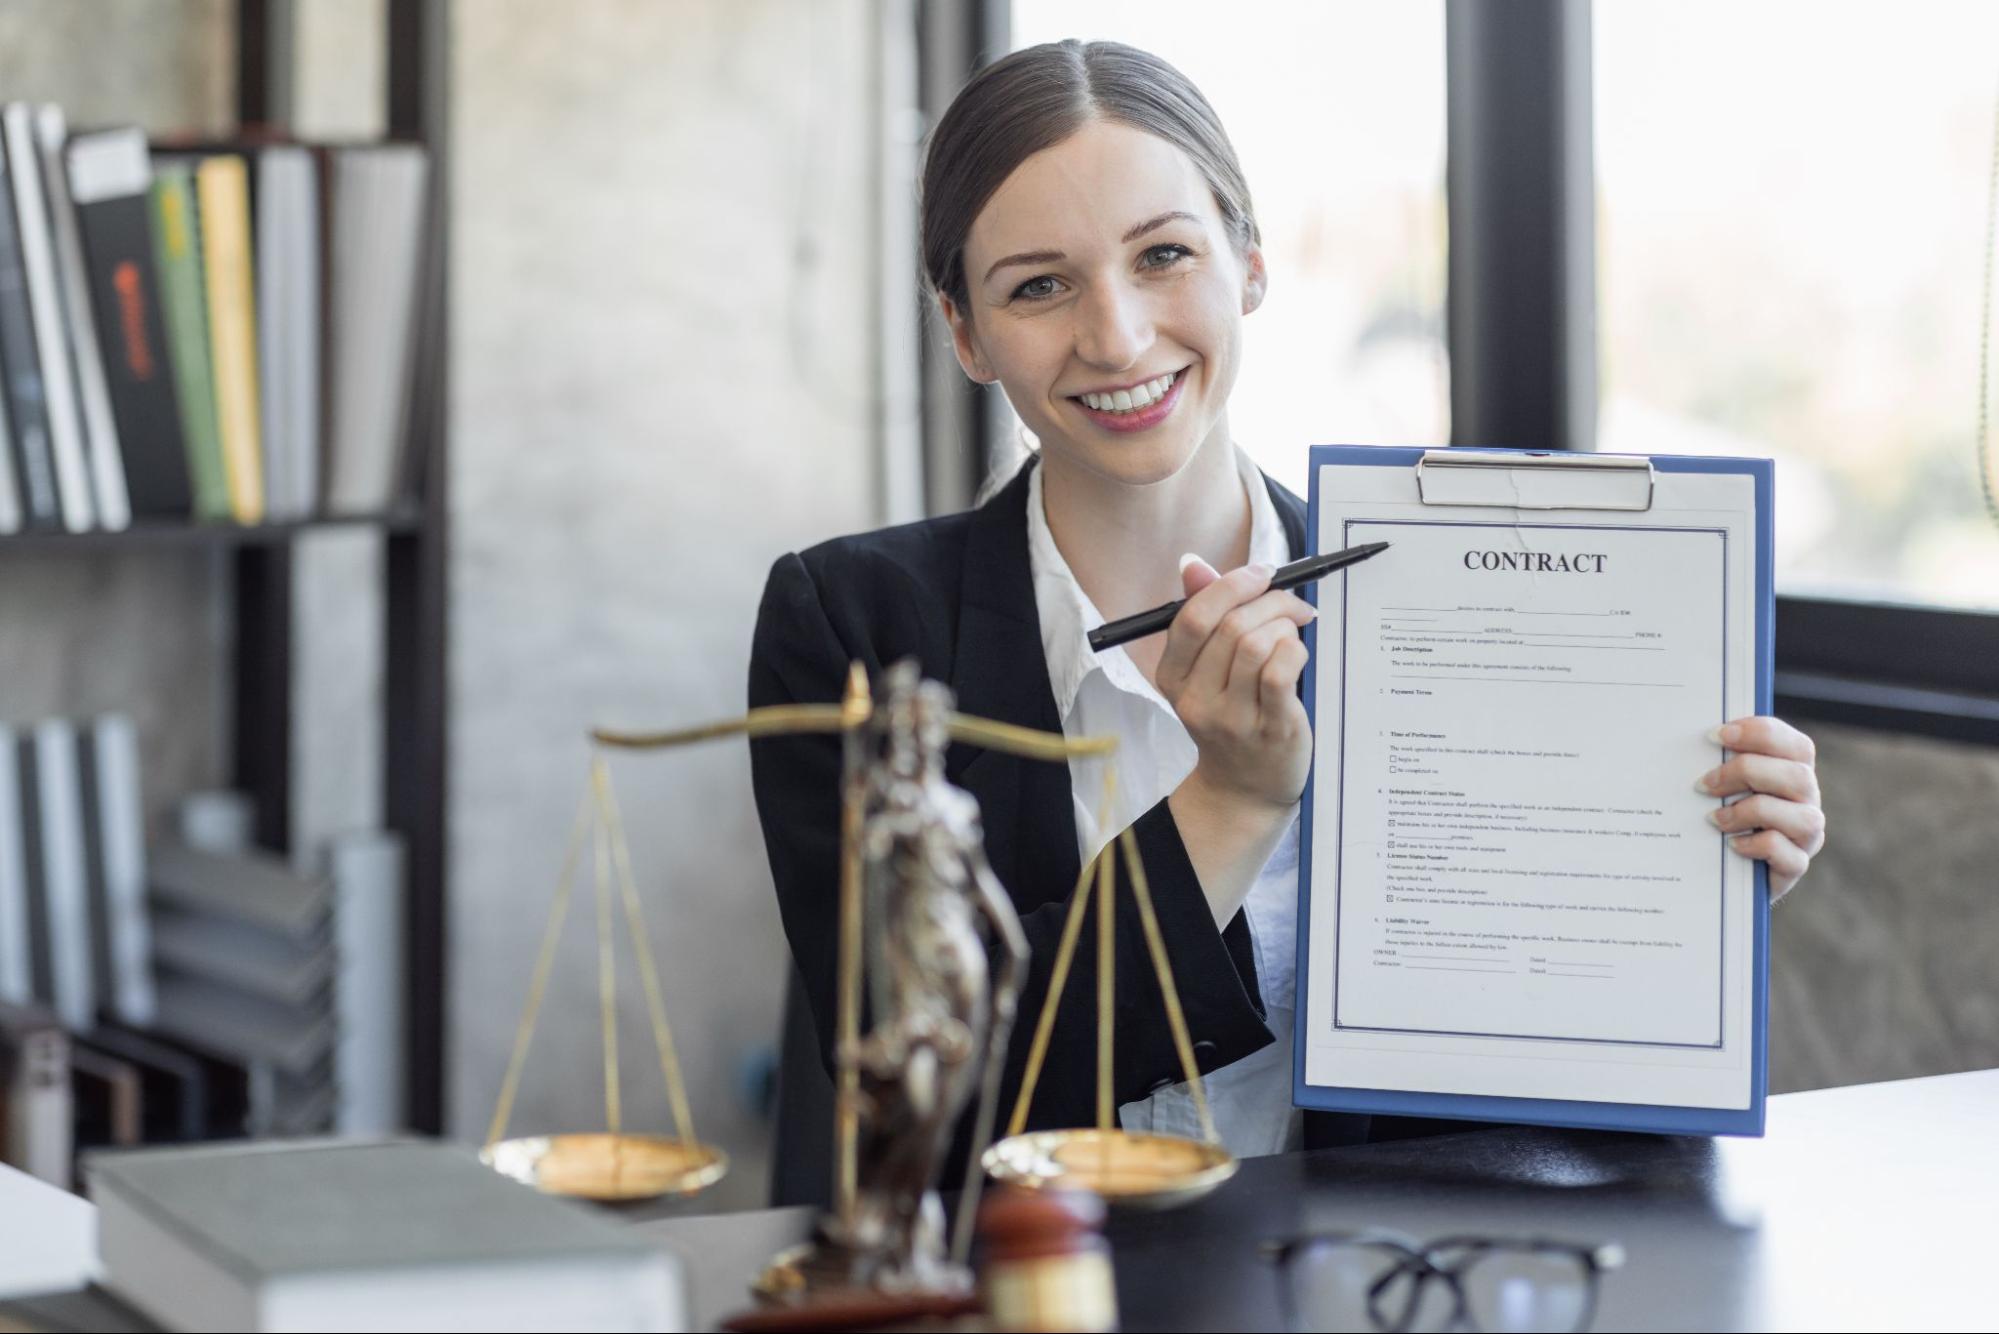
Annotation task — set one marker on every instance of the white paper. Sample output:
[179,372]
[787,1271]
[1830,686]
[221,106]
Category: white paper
[1515,889]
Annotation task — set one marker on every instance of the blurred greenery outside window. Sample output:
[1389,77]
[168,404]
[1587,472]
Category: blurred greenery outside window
[1790,236]
[1791,226]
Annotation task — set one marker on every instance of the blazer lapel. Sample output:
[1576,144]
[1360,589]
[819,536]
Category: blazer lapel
[998,671]
[1291,513]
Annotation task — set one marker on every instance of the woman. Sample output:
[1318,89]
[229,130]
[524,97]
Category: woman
[1089,239]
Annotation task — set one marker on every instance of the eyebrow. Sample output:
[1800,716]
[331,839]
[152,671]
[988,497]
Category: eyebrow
[1050,256]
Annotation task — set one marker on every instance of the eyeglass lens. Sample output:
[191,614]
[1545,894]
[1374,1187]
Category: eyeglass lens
[1354,1284]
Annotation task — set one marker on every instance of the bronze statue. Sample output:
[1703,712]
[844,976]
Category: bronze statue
[947,960]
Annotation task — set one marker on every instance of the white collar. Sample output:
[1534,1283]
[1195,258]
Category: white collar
[1067,614]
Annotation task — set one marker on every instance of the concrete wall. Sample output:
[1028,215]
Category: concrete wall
[660,363]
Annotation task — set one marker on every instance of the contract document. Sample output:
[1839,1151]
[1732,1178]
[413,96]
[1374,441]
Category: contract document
[1515,905]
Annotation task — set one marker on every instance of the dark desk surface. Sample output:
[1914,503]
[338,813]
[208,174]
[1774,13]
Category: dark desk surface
[1874,1207]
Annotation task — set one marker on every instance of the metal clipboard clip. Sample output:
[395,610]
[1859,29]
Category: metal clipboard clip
[1536,480]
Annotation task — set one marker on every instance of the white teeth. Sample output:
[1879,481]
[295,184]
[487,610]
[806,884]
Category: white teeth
[1131,400]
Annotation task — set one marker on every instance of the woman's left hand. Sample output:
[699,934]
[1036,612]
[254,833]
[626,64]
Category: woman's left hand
[1780,822]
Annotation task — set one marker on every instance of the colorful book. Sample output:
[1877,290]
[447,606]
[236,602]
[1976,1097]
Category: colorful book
[222,192]
[183,298]
[110,178]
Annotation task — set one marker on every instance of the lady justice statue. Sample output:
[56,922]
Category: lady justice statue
[946,956]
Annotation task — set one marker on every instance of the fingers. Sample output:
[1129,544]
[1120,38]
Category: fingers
[1768,736]
[1803,825]
[1787,860]
[1198,620]
[1195,574]
[1244,639]
[1749,772]
[1201,643]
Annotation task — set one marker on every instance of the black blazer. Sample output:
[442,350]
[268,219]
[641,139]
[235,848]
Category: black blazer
[957,594]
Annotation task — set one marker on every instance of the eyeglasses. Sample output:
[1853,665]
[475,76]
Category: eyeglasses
[1381,1280]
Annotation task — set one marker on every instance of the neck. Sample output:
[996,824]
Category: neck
[1124,542]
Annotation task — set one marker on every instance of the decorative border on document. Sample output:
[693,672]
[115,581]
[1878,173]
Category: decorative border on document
[1339,828]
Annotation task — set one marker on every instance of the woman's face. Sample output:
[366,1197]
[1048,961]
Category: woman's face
[1101,265]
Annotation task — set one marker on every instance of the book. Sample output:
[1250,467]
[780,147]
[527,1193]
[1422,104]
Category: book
[174,1082]
[10,487]
[183,298]
[17,969]
[251,886]
[243,1025]
[286,969]
[45,310]
[285,196]
[375,246]
[222,196]
[36,1101]
[59,893]
[110,183]
[115,858]
[367,871]
[356,1236]
[101,453]
[108,1095]
[51,1238]
[21,394]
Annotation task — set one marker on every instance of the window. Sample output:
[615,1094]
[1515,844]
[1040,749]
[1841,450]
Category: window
[1337,112]
[1792,220]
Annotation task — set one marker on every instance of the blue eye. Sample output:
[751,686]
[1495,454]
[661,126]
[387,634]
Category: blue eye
[1162,256]
[1036,289]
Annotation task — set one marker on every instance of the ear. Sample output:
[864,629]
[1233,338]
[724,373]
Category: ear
[1255,278]
[965,342]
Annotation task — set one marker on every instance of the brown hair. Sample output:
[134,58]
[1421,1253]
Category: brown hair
[1036,98]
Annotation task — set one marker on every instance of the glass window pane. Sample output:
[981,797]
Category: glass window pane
[1792,224]
[1337,112]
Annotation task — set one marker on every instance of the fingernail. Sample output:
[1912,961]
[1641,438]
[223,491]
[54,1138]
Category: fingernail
[1726,735]
[1188,558]
[1262,571]
[1714,818]
[1705,783]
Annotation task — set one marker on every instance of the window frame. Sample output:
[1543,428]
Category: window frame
[1522,334]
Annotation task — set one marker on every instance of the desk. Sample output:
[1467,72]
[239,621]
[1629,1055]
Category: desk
[1872,1207]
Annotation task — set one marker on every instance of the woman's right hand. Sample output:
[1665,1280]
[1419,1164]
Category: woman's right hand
[1230,669]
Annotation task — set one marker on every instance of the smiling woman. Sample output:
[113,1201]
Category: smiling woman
[1089,237]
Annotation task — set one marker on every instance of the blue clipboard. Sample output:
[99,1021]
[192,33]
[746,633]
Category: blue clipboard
[1546,1111]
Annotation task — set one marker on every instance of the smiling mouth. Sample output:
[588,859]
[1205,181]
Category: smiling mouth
[1134,400]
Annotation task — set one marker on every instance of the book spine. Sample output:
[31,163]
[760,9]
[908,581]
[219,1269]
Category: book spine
[65,889]
[124,956]
[39,1118]
[52,354]
[10,486]
[176,239]
[367,873]
[17,972]
[110,177]
[102,457]
[21,375]
[222,190]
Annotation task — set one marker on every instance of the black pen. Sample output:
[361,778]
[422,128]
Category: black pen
[1112,633]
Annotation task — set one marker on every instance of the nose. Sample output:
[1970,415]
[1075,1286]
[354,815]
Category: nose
[1114,327]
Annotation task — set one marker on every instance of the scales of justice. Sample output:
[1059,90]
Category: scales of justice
[944,959]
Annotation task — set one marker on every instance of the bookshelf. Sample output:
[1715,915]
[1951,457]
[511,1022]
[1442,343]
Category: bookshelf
[260,557]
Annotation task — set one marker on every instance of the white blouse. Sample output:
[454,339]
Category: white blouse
[1105,693]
